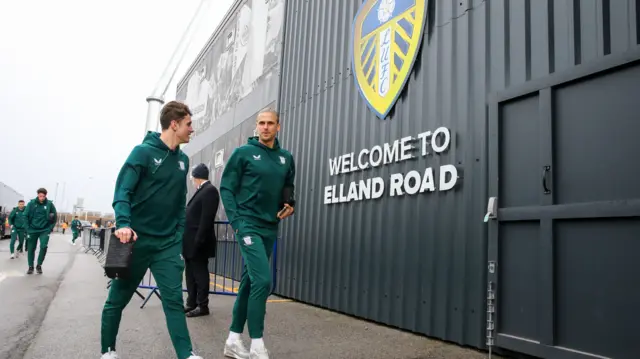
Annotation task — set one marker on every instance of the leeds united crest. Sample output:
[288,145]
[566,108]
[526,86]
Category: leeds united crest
[386,37]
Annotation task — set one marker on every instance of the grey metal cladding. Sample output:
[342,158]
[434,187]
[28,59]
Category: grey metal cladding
[416,262]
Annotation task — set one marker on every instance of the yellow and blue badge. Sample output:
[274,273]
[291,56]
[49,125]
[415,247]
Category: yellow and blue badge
[386,37]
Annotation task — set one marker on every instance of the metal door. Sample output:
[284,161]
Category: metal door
[564,250]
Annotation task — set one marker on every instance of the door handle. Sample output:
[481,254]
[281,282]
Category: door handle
[545,172]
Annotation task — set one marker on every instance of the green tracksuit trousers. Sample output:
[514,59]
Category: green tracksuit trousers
[256,245]
[74,232]
[17,234]
[32,243]
[163,257]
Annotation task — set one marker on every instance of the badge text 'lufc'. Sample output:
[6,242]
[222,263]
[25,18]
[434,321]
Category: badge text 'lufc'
[442,178]
[386,37]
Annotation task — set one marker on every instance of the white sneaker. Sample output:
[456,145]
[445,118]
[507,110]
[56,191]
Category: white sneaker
[110,355]
[236,350]
[194,357]
[261,353]
[13,255]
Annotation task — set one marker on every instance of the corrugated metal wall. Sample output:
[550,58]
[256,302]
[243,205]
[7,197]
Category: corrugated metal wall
[416,262]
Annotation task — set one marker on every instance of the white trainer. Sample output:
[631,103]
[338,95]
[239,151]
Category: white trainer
[235,349]
[194,357]
[110,355]
[259,353]
[13,255]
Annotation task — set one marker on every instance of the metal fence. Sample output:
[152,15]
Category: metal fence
[225,268]
[228,265]
[95,241]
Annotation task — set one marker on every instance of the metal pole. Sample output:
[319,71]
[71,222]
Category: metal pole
[55,197]
[62,201]
[156,99]
[154,104]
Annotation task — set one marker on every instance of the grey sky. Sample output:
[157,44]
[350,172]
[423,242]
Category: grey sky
[74,75]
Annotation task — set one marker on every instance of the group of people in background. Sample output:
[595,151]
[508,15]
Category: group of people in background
[31,225]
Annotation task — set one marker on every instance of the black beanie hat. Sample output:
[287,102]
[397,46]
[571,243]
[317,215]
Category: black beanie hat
[200,171]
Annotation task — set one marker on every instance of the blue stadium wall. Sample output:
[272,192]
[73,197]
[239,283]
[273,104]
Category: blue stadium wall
[416,262]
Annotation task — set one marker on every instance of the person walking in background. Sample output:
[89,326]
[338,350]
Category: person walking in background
[199,241]
[64,226]
[76,227]
[4,223]
[18,224]
[149,203]
[256,188]
[41,218]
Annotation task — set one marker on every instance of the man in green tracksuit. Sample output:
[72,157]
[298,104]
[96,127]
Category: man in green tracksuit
[41,217]
[149,203]
[257,192]
[18,223]
[75,228]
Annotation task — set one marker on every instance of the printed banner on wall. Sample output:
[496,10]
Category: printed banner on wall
[246,51]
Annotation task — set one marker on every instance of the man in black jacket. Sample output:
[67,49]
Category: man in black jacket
[199,241]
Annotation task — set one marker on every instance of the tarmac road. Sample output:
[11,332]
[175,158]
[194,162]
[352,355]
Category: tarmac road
[25,299]
[57,315]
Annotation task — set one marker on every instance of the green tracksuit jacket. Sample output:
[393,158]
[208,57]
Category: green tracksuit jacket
[38,216]
[252,183]
[74,225]
[18,219]
[151,190]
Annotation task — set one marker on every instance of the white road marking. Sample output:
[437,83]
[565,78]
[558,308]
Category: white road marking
[2,276]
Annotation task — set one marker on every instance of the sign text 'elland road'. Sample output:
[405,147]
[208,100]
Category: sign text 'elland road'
[399,184]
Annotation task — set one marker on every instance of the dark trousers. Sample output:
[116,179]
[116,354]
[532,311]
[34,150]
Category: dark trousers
[197,276]
[101,236]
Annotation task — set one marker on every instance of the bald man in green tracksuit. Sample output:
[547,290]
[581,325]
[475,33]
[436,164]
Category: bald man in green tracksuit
[257,192]
[149,203]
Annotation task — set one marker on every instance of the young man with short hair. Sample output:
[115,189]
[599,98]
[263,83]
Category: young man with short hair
[41,218]
[18,223]
[149,203]
[257,192]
